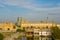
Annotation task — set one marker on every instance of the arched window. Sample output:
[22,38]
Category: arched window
[14,27]
[0,28]
[31,26]
[24,28]
[8,29]
[46,26]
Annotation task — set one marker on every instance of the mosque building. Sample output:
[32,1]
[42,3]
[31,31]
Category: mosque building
[23,24]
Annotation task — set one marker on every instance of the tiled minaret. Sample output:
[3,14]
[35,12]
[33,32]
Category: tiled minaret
[19,21]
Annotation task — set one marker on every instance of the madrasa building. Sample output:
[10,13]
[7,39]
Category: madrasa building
[42,25]
[23,24]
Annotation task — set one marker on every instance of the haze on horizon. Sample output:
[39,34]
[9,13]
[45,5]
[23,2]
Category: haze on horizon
[31,10]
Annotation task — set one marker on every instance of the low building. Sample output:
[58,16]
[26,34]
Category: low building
[45,32]
[42,32]
[36,32]
[58,25]
[26,24]
[23,24]
[8,27]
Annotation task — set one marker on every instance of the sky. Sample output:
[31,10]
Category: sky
[30,10]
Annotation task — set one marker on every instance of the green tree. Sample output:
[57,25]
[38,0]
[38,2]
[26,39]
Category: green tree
[41,21]
[56,32]
[19,30]
[1,36]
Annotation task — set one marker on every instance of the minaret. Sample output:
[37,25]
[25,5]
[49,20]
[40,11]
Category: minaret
[47,20]
[19,21]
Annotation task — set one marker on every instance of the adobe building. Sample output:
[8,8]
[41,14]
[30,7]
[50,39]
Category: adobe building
[23,24]
[8,27]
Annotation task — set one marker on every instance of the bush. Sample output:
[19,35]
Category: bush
[1,36]
[56,32]
[19,30]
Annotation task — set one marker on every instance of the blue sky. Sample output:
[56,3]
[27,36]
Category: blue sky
[31,10]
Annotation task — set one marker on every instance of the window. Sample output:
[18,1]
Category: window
[46,26]
[0,28]
[31,26]
[14,27]
[8,28]
[24,28]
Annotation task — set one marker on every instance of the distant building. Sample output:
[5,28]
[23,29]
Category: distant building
[23,24]
[58,25]
[7,27]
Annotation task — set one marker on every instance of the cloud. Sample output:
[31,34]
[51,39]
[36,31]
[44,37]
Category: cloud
[30,5]
[58,4]
[2,5]
[41,10]
[33,6]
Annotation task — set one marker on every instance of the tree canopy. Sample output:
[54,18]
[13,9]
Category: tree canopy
[56,32]
[19,30]
[1,36]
